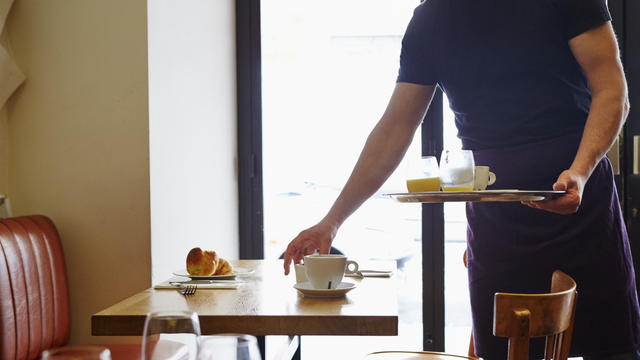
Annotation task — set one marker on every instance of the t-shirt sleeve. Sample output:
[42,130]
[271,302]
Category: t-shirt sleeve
[416,59]
[579,16]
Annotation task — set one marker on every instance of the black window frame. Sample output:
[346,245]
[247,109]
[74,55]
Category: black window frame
[250,191]
[623,13]
[249,93]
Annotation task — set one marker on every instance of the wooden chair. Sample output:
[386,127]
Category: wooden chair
[34,295]
[520,317]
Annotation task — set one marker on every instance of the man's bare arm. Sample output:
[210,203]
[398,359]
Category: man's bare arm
[597,53]
[383,151]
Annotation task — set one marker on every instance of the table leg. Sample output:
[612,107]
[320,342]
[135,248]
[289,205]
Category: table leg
[262,346]
[296,355]
[291,351]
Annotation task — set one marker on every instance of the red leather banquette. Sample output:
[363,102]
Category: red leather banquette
[34,295]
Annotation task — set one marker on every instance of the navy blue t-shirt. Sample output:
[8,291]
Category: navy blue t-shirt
[505,65]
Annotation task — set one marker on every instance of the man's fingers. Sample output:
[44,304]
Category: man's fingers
[287,263]
[563,205]
[290,255]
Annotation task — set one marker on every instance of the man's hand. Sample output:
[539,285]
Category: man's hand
[573,183]
[317,237]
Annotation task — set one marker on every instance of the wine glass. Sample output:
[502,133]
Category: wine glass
[457,170]
[229,347]
[184,327]
[423,174]
[88,352]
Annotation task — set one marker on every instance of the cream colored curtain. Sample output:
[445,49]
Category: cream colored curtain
[10,75]
[10,78]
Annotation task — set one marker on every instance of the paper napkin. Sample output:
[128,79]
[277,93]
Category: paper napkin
[212,285]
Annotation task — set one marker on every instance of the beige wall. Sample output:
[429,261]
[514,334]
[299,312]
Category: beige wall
[78,142]
[4,151]
[4,135]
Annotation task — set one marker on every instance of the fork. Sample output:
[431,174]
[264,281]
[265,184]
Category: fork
[188,289]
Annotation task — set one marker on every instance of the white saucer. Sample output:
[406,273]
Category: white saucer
[307,290]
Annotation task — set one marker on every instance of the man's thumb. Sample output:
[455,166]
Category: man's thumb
[560,186]
[324,248]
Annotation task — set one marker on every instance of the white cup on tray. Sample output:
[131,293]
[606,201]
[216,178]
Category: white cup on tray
[483,178]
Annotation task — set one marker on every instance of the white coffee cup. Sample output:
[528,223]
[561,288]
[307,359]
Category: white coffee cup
[301,274]
[325,271]
[483,178]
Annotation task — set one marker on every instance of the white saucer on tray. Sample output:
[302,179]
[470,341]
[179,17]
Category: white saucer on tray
[307,290]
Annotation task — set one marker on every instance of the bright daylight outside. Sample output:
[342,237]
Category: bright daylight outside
[328,69]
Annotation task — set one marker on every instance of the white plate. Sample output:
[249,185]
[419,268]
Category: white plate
[307,290]
[237,271]
[478,195]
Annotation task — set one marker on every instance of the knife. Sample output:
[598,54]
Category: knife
[201,282]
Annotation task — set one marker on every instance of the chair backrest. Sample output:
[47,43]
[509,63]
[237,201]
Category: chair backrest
[34,295]
[520,317]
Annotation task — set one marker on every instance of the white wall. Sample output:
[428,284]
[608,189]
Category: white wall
[75,139]
[192,124]
[78,142]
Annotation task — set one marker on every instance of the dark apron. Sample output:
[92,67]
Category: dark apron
[513,248]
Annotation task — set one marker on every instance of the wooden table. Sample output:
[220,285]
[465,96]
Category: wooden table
[267,304]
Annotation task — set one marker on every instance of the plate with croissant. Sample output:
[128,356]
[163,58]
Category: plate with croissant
[206,264]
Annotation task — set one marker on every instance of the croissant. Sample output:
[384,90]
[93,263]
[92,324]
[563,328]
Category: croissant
[202,263]
[224,268]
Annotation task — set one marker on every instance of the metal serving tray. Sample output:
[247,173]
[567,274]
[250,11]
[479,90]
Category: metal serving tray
[478,196]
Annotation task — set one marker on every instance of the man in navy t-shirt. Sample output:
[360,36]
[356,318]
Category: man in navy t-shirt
[539,95]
